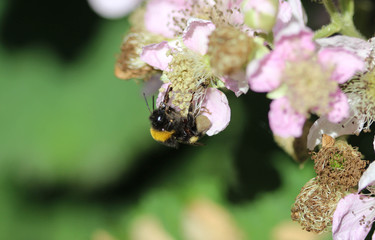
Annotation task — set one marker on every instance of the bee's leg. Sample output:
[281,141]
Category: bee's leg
[191,116]
[191,106]
[166,96]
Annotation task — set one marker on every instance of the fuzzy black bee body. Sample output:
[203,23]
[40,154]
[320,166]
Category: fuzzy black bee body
[170,128]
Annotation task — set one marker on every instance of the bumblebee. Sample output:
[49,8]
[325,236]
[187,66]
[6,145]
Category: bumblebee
[170,128]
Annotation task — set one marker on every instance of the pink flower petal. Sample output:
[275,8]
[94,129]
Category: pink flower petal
[264,75]
[218,110]
[344,62]
[159,16]
[284,121]
[368,177]
[235,17]
[156,55]
[237,83]
[113,8]
[291,18]
[346,219]
[298,11]
[340,108]
[296,46]
[196,35]
[284,16]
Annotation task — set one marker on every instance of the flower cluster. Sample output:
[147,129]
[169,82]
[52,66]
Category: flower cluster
[237,45]
[194,51]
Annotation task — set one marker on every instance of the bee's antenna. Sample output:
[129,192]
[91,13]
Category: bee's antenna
[153,102]
[144,95]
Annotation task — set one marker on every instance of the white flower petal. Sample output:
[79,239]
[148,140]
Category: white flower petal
[113,8]
[368,177]
[346,223]
[322,126]
[236,82]
[357,46]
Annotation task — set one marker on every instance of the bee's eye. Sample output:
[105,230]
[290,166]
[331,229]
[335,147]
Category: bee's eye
[160,119]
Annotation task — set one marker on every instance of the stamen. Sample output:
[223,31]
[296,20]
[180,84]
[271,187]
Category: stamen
[339,165]
[314,206]
[361,92]
[189,75]
[218,14]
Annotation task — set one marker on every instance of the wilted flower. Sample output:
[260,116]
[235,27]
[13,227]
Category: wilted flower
[338,167]
[129,64]
[315,205]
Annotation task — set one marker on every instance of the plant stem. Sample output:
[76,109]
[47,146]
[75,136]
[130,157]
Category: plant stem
[327,30]
[330,7]
[349,29]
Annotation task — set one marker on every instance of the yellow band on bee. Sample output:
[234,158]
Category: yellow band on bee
[161,136]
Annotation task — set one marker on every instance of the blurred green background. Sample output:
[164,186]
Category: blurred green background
[76,157]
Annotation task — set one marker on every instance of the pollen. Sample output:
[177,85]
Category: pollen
[189,75]
[161,136]
[309,86]
[229,49]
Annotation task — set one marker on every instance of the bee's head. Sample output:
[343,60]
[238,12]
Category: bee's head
[159,119]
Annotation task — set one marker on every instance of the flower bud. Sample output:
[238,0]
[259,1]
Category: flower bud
[260,14]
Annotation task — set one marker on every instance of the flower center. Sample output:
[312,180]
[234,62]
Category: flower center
[229,49]
[189,75]
[309,86]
